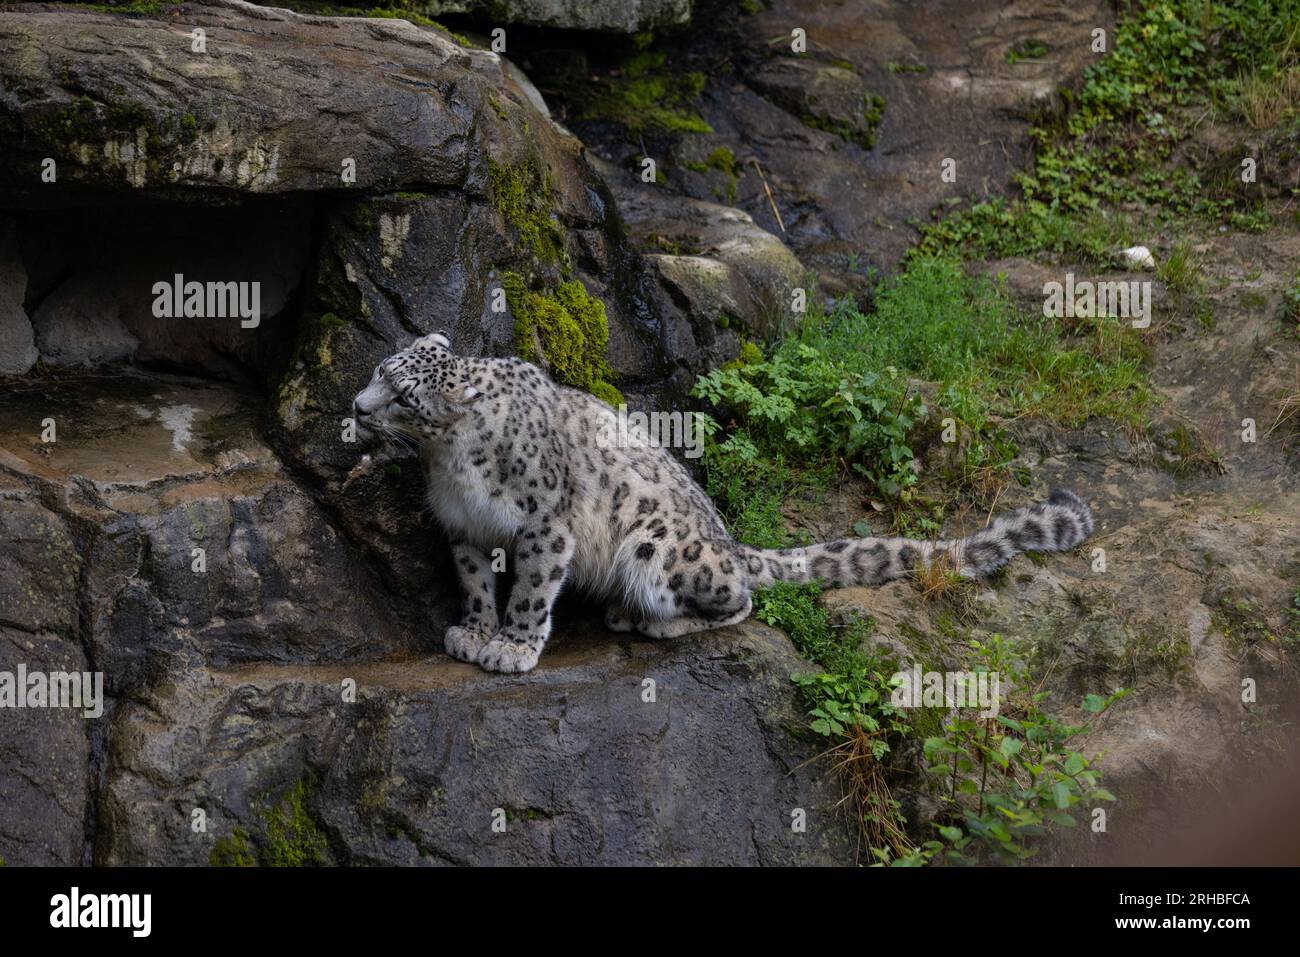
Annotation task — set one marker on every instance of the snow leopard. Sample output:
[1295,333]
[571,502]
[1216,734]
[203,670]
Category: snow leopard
[520,467]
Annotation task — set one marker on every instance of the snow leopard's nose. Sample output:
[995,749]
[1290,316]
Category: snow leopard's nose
[369,401]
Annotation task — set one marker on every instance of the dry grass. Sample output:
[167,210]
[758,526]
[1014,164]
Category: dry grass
[939,583]
[867,792]
[1268,102]
[937,577]
[1288,411]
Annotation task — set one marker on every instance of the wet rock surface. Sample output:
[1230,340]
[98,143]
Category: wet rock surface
[160,541]
[853,131]
[626,753]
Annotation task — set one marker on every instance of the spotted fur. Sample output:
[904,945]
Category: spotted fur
[516,462]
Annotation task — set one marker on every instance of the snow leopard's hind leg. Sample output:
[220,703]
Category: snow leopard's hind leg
[541,561]
[692,624]
[697,587]
[478,614]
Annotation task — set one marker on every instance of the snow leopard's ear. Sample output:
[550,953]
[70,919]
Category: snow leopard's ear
[432,340]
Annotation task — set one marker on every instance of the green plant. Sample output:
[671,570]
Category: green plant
[851,709]
[846,386]
[803,400]
[1181,270]
[1136,105]
[1291,302]
[1006,779]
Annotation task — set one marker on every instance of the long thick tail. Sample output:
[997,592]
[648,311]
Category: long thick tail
[1057,525]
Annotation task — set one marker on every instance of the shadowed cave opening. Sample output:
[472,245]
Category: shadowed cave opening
[92,273]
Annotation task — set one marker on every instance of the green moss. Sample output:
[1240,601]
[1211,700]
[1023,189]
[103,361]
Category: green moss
[607,393]
[363,216]
[293,838]
[873,110]
[290,837]
[136,7]
[1027,50]
[1184,453]
[419,19]
[1165,649]
[570,330]
[86,122]
[124,115]
[646,99]
[233,851]
[395,11]
[664,244]
[724,161]
[310,371]
[523,195]
[749,353]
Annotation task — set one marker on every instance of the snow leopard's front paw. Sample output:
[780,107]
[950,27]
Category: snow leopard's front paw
[464,643]
[504,653]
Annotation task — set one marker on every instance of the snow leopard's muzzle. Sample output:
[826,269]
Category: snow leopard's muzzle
[367,410]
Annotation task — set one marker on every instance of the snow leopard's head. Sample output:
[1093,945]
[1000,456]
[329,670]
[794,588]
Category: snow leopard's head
[415,395]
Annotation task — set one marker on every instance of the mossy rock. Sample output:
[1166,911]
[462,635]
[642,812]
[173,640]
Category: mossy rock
[293,838]
[290,837]
[233,851]
[723,161]
[523,195]
[567,331]
[647,98]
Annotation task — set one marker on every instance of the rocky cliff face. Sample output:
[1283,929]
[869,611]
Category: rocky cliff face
[192,526]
